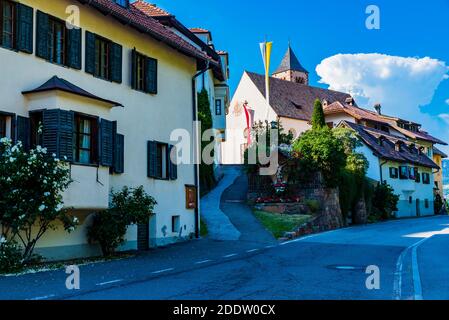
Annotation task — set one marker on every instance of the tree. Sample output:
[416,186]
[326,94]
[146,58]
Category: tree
[128,206]
[321,151]
[207,179]
[318,119]
[31,203]
[384,201]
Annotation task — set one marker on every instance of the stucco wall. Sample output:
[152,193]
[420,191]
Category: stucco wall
[144,117]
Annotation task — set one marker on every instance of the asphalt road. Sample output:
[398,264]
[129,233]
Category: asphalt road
[411,256]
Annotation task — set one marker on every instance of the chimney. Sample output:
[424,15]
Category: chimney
[378,108]
[350,101]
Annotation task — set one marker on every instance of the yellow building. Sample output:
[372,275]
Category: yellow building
[438,157]
[122,82]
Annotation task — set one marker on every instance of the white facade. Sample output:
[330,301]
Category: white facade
[144,117]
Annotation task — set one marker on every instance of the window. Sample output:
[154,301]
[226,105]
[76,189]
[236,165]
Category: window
[2,126]
[394,173]
[101,58]
[57,41]
[160,164]
[176,224]
[426,203]
[403,173]
[426,178]
[144,73]
[412,173]
[8,24]
[418,177]
[429,152]
[191,197]
[36,123]
[218,105]
[85,139]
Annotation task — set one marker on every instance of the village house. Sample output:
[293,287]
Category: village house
[214,80]
[399,152]
[108,96]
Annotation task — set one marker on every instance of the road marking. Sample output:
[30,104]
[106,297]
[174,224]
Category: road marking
[269,247]
[230,255]
[44,297]
[109,282]
[417,287]
[252,250]
[203,262]
[162,271]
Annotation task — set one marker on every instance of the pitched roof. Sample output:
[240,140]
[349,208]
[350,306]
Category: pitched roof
[363,114]
[290,62]
[384,146]
[439,152]
[56,83]
[294,100]
[199,30]
[137,19]
[150,9]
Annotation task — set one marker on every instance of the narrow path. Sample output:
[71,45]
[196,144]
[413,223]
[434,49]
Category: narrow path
[233,204]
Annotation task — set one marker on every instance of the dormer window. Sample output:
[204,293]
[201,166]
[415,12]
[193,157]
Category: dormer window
[123,3]
[397,146]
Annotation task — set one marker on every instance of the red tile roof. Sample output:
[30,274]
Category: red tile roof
[135,18]
[363,114]
[150,9]
[199,30]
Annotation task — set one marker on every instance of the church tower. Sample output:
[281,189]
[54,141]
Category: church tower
[291,69]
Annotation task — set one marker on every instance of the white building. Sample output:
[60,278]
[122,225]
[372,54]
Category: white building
[213,80]
[109,95]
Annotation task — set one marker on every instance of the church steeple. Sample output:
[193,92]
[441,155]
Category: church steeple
[291,69]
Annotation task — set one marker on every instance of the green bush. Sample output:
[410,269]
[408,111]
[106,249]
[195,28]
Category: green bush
[384,201]
[10,256]
[129,206]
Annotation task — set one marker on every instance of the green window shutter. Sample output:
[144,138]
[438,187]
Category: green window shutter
[152,159]
[74,48]
[106,143]
[116,53]
[119,154]
[24,28]
[151,76]
[23,132]
[42,35]
[134,69]
[172,166]
[90,52]
[58,128]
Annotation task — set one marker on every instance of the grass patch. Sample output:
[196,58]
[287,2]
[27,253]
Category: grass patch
[203,228]
[278,224]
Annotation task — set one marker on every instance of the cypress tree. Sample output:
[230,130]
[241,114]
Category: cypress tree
[318,120]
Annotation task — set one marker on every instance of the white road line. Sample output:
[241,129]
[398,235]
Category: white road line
[109,282]
[269,247]
[252,250]
[417,288]
[162,271]
[230,255]
[203,262]
[44,297]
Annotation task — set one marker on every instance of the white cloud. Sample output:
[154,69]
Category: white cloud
[402,85]
[447,101]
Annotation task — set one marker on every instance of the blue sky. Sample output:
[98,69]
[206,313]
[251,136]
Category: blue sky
[320,29]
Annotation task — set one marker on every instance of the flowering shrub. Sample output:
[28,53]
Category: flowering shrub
[278,200]
[129,206]
[31,185]
[10,256]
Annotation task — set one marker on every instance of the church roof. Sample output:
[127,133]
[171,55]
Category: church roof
[294,100]
[290,62]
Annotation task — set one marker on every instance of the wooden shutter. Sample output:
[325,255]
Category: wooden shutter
[74,48]
[58,133]
[151,76]
[23,132]
[152,159]
[119,154]
[42,35]
[172,166]
[116,53]
[134,69]
[24,28]
[106,143]
[90,52]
